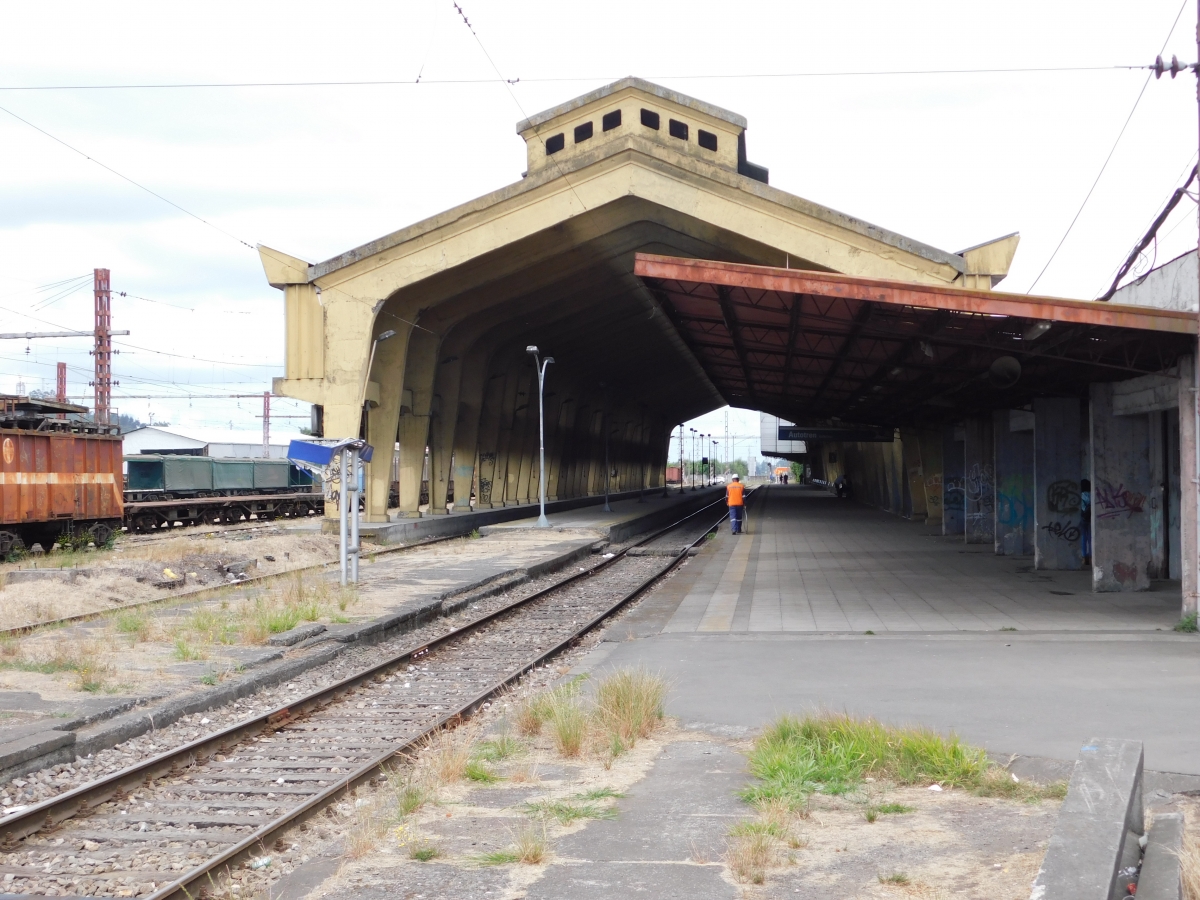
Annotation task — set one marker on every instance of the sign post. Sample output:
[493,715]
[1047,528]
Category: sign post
[338,460]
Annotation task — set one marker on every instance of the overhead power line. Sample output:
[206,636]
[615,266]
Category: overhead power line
[408,82]
[1108,158]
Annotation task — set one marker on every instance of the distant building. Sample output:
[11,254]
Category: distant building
[204,442]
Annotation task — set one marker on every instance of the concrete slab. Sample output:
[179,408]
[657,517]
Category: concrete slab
[679,814]
[812,563]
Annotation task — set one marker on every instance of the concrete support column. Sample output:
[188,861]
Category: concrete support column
[446,389]
[918,510]
[1189,489]
[385,393]
[1012,430]
[1120,487]
[931,468]
[979,483]
[1056,476]
[417,406]
[953,473]
[489,439]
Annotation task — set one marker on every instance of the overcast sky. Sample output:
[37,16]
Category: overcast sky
[952,159]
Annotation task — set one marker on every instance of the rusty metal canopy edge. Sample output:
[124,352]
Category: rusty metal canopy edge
[900,293]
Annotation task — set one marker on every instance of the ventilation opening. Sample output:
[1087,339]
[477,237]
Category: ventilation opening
[678,130]
[706,139]
[612,120]
[583,132]
[650,119]
[554,144]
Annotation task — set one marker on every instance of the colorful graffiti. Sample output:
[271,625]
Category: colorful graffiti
[1113,502]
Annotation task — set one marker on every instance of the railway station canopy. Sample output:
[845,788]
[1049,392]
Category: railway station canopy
[648,255]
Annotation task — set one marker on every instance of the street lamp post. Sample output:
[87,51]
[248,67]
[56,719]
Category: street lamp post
[693,431]
[714,443]
[540,365]
[681,488]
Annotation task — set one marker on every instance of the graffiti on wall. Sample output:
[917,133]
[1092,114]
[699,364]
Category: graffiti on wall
[979,485]
[1063,496]
[1113,502]
[933,491]
[953,494]
[1064,531]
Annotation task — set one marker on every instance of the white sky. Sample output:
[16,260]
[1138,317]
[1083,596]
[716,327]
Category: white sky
[952,160]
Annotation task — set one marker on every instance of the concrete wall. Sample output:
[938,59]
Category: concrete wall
[1013,525]
[1056,475]
[1121,486]
[953,471]
[979,482]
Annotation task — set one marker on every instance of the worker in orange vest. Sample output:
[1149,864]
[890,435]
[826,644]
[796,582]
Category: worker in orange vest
[734,498]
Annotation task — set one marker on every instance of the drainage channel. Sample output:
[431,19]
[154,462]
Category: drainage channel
[164,827]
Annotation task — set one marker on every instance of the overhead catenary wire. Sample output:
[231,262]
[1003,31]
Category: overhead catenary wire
[1150,235]
[1108,158]
[419,80]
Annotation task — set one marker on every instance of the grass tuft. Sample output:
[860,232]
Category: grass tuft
[499,748]
[629,704]
[894,878]
[529,846]
[834,753]
[604,793]
[567,812]
[477,770]
[424,852]
[749,855]
[1187,624]
[894,809]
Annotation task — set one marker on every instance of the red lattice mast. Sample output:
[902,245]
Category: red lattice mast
[103,351]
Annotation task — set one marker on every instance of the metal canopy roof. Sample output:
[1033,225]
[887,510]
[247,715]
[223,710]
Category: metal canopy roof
[816,346]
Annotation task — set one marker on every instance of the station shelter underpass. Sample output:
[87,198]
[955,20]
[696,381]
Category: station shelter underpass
[666,276]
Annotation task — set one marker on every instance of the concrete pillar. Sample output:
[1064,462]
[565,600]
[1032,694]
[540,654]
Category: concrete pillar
[1120,487]
[1012,430]
[416,407]
[953,475]
[385,392]
[931,469]
[1056,475]
[515,393]
[489,438]
[1156,501]
[1189,488]
[915,472]
[979,482]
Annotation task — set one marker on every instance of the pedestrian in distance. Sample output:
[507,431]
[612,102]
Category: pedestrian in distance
[736,501]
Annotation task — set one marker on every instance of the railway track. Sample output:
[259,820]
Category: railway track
[167,826]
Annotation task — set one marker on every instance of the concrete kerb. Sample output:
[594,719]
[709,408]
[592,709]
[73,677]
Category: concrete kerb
[1100,826]
[1162,872]
[73,739]
[464,523]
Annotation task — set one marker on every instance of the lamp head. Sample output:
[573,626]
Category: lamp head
[532,348]
[387,334]
[548,360]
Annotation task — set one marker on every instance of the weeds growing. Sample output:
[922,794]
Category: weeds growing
[1187,624]
[833,754]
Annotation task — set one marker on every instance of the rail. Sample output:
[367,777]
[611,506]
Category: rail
[82,801]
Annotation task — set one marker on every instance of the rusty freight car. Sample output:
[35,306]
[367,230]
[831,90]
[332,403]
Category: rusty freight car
[59,473]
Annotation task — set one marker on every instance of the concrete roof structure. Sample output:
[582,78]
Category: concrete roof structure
[548,260]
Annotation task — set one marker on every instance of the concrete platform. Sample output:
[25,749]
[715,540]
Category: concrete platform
[774,621]
[812,563]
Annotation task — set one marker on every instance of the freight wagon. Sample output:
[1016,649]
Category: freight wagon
[57,475]
[164,489]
